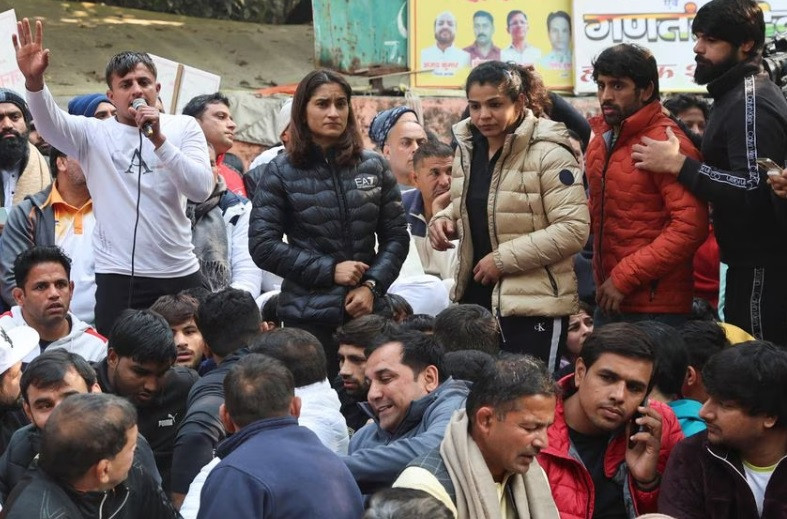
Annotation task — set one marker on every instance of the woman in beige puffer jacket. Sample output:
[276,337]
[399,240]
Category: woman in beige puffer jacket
[519,209]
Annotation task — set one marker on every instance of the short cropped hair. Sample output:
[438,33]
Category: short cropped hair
[752,374]
[419,322]
[299,351]
[395,503]
[83,430]
[176,308]
[558,14]
[467,327]
[419,350]
[363,332]
[257,387]
[29,258]
[631,61]
[672,361]
[484,14]
[679,103]
[144,336]
[197,105]
[624,339]
[513,13]
[703,339]
[430,149]
[48,370]
[228,320]
[270,311]
[507,380]
[124,62]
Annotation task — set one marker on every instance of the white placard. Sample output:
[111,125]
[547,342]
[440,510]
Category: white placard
[179,83]
[10,76]
[662,26]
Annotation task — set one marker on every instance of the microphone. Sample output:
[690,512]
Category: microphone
[136,104]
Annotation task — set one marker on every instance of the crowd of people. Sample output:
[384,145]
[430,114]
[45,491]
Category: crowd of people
[549,317]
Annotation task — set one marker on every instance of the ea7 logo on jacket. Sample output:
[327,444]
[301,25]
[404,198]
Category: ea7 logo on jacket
[365,181]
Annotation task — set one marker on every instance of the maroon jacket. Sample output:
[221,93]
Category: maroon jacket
[708,481]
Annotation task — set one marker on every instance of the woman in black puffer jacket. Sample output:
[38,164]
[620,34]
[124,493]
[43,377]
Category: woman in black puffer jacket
[332,199]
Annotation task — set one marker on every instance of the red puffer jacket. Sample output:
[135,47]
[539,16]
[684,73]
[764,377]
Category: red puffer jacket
[571,483]
[646,226]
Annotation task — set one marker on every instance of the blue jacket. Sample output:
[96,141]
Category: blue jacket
[688,413]
[376,457]
[274,468]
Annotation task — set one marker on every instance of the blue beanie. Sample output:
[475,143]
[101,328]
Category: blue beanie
[86,105]
[384,121]
[9,96]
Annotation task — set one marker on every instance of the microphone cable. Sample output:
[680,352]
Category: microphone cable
[136,221]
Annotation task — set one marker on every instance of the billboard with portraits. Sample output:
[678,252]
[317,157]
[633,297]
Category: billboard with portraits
[447,38]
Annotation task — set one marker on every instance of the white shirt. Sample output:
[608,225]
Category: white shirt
[320,412]
[528,56]
[10,177]
[444,62]
[758,478]
[109,154]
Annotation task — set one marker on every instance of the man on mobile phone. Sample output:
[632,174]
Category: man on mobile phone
[748,121]
[607,450]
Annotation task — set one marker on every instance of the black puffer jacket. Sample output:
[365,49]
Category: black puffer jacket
[330,214]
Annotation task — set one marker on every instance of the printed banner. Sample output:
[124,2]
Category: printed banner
[449,37]
[662,26]
[10,76]
[179,83]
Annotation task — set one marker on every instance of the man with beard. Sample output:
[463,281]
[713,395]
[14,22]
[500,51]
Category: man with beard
[23,170]
[738,467]
[748,121]
[61,214]
[646,226]
[483,48]
[432,165]
[443,58]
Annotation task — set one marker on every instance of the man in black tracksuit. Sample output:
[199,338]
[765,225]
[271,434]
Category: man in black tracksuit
[748,121]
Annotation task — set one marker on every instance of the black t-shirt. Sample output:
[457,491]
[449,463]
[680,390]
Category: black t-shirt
[609,494]
[477,205]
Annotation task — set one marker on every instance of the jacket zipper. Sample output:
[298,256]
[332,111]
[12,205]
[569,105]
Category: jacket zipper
[598,254]
[463,201]
[734,469]
[509,142]
[337,183]
[551,280]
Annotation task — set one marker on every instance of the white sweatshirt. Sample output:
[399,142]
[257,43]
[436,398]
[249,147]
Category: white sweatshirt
[109,154]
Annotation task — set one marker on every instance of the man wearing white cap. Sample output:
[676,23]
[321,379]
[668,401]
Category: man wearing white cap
[15,345]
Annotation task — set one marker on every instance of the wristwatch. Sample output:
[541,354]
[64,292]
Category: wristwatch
[371,285]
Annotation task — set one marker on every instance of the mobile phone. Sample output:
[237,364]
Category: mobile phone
[635,427]
[770,166]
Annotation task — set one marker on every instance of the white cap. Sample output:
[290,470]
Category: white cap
[283,120]
[15,345]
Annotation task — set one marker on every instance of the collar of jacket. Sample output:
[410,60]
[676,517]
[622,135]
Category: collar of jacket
[236,440]
[415,413]
[733,77]
[633,125]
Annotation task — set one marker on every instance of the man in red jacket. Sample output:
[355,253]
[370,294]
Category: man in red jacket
[609,445]
[646,226]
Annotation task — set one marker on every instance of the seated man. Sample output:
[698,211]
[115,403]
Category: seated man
[43,297]
[139,367]
[353,338]
[61,214]
[410,403]
[703,339]
[467,327]
[302,354]
[493,445]
[432,163]
[261,410]
[735,469]
[14,346]
[86,468]
[397,134]
[609,445]
[229,321]
[47,381]
[180,311]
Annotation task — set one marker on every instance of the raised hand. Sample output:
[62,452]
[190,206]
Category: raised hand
[31,57]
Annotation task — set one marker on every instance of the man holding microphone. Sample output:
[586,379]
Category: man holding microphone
[141,167]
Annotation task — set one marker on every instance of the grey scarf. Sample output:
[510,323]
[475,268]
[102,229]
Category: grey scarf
[209,236]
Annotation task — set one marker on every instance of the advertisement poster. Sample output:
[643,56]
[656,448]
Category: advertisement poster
[662,26]
[10,76]
[449,37]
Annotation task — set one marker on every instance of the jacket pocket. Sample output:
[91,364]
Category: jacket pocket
[552,281]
